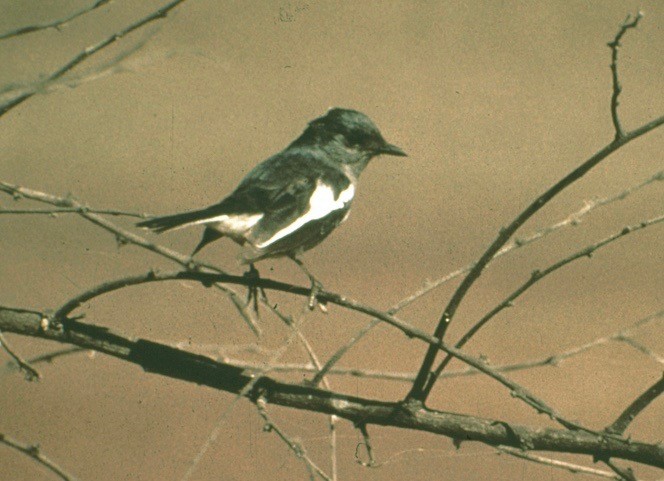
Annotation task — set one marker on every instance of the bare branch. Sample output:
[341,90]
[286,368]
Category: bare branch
[31,374]
[571,220]
[124,236]
[35,453]
[550,360]
[631,342]
[116,64]
[423,384]
[245,392]
[625,474]
[617,87]
[205,278]
[371,463]
[537,276]
[293,445]
[90,51]
[56,24]
[634,409]
[56,212]
[161,359]
[342,351]
[313,357]
[572,468]
[211,278]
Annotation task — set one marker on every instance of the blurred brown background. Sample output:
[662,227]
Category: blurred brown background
[494,101]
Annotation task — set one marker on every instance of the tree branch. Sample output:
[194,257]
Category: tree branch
[34,452]
[296,447]
[550,360]
[56,212]
[56,24]
[31,374]
[167,361]
[124,236]
[571,220]
[90,51]
[423,383]
[537,276]
[634,409]
[617,87]
[556,463]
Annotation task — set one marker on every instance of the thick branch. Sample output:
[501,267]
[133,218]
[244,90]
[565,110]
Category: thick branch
[209,279]
[167,361]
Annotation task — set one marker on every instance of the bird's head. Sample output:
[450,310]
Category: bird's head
[350,134]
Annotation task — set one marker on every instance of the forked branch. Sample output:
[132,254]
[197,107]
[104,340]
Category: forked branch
[425,379]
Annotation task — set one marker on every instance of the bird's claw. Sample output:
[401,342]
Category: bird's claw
[316,288]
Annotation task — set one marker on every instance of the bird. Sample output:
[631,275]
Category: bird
[292,201]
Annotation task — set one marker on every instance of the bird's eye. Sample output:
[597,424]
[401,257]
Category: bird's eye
[355,139]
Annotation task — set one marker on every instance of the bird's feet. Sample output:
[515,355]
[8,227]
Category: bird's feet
[253,290]
[316,287]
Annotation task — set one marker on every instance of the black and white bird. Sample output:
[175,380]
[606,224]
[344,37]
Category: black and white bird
[293,200]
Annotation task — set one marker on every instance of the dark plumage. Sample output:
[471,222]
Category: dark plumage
[293,200]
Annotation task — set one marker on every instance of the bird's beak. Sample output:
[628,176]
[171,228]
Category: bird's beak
[391,149]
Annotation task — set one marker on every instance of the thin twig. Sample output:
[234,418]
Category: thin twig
[551,360]
[247,388]
[56,24]
[424,382]
[571,220]
[313,357]
[571,467]
[293,445]
[631,342]
[34,452]
[115,64]
[90,51]
[371,463]
[625,474]
[340,352]
[634,409]
[31,374]
[54,212]
[617,87]
[537,276]
[126,237]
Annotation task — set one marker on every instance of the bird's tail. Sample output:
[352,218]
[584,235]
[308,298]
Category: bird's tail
[176,221]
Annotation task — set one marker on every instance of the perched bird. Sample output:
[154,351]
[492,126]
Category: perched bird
[293,200]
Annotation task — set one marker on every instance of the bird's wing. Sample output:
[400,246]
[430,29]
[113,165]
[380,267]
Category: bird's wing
[292,192]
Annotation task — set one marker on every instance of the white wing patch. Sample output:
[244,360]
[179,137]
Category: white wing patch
[231,223]
[321,203]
